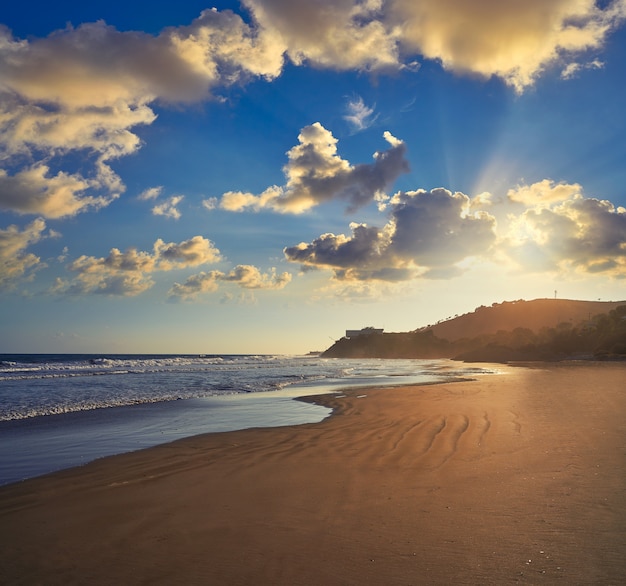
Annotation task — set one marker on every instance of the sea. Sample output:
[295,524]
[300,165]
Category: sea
[59,411]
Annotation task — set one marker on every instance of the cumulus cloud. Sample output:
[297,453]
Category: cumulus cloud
[54,126]
[544,193]
[428,234]
[42,131]
[437,228]
[189,253]
[514,40]
[584,235]
[128,273]
[249,277]
[194,286]
[245,276]
[344,34]
[543,227]
[316,174]
[97,65]
[15,262]
[169,207]
[85,89]
[103,76]
[35,191]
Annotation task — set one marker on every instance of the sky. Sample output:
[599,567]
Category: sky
[260,176]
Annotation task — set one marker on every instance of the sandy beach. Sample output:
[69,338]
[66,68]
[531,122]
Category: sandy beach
[516,478]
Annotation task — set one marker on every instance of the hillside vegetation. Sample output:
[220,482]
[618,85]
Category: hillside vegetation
[509,315]
[543,329]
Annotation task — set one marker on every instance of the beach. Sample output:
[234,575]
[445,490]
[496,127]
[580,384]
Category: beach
[517,478]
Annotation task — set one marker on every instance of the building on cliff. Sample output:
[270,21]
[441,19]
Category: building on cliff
[363,332]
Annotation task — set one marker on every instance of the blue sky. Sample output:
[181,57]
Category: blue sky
[259,176]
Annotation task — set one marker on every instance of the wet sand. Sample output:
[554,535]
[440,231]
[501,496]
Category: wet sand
[518,478]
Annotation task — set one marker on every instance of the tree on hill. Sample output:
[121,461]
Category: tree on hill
[602,337]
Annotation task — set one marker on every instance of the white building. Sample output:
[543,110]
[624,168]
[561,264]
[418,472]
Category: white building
[363,332]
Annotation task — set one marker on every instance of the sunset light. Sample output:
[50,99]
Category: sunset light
[313,292]
[257,176]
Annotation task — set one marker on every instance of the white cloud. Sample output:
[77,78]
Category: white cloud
[194,286]
[97,65]
[428,234]
[189,253]
[15,262]
[545,227]
[150,193]
[544,193]
[579,235]
[245,276]
[128,273]
[315,174]
[238,201]
[53,126]
[342,34]
[41,131]
[359,115]
[210,203]
[573,69]
[169,207]
[515,40]
[63,256]
[86,89]
[34,191]
[250,277]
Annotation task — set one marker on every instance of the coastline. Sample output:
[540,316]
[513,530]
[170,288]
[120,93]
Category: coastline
[515,478]
[86,421]
[74,439]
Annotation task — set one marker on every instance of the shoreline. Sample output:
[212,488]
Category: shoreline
[38,446]
[69,440]
[515,478]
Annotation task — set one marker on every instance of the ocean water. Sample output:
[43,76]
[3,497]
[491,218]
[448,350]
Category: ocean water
[60,411]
